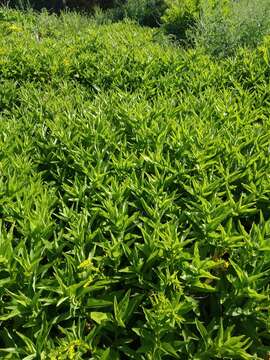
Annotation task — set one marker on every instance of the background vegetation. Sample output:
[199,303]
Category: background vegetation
[134,187]
[219,27]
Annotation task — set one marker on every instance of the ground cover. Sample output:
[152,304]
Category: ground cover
[134,194]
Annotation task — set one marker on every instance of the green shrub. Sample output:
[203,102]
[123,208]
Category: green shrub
[180,17]
[228,25]
[145,12]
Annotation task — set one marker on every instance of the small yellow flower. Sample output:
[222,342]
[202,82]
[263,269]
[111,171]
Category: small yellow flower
[2,51]
[15,28]
[66,62]
[86,264]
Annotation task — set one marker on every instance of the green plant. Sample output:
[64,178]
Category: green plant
[134,194]
[145,12]
[58,5]
[225,26]
[180,17]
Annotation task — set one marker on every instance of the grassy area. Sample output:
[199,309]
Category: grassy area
[134,195]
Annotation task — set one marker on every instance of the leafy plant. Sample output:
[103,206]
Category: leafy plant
[225,26]
[134,194]
[180,17]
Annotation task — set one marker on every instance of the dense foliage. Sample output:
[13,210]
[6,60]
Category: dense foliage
[134,195]
[224,26]
[57,5]
[218,26]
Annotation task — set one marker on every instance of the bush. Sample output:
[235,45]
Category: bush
[180,16]
[176,17]
[145,12]
[225,26]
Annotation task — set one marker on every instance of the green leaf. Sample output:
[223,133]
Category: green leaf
[99,317]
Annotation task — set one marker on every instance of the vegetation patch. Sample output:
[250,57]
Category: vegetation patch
[134,194]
